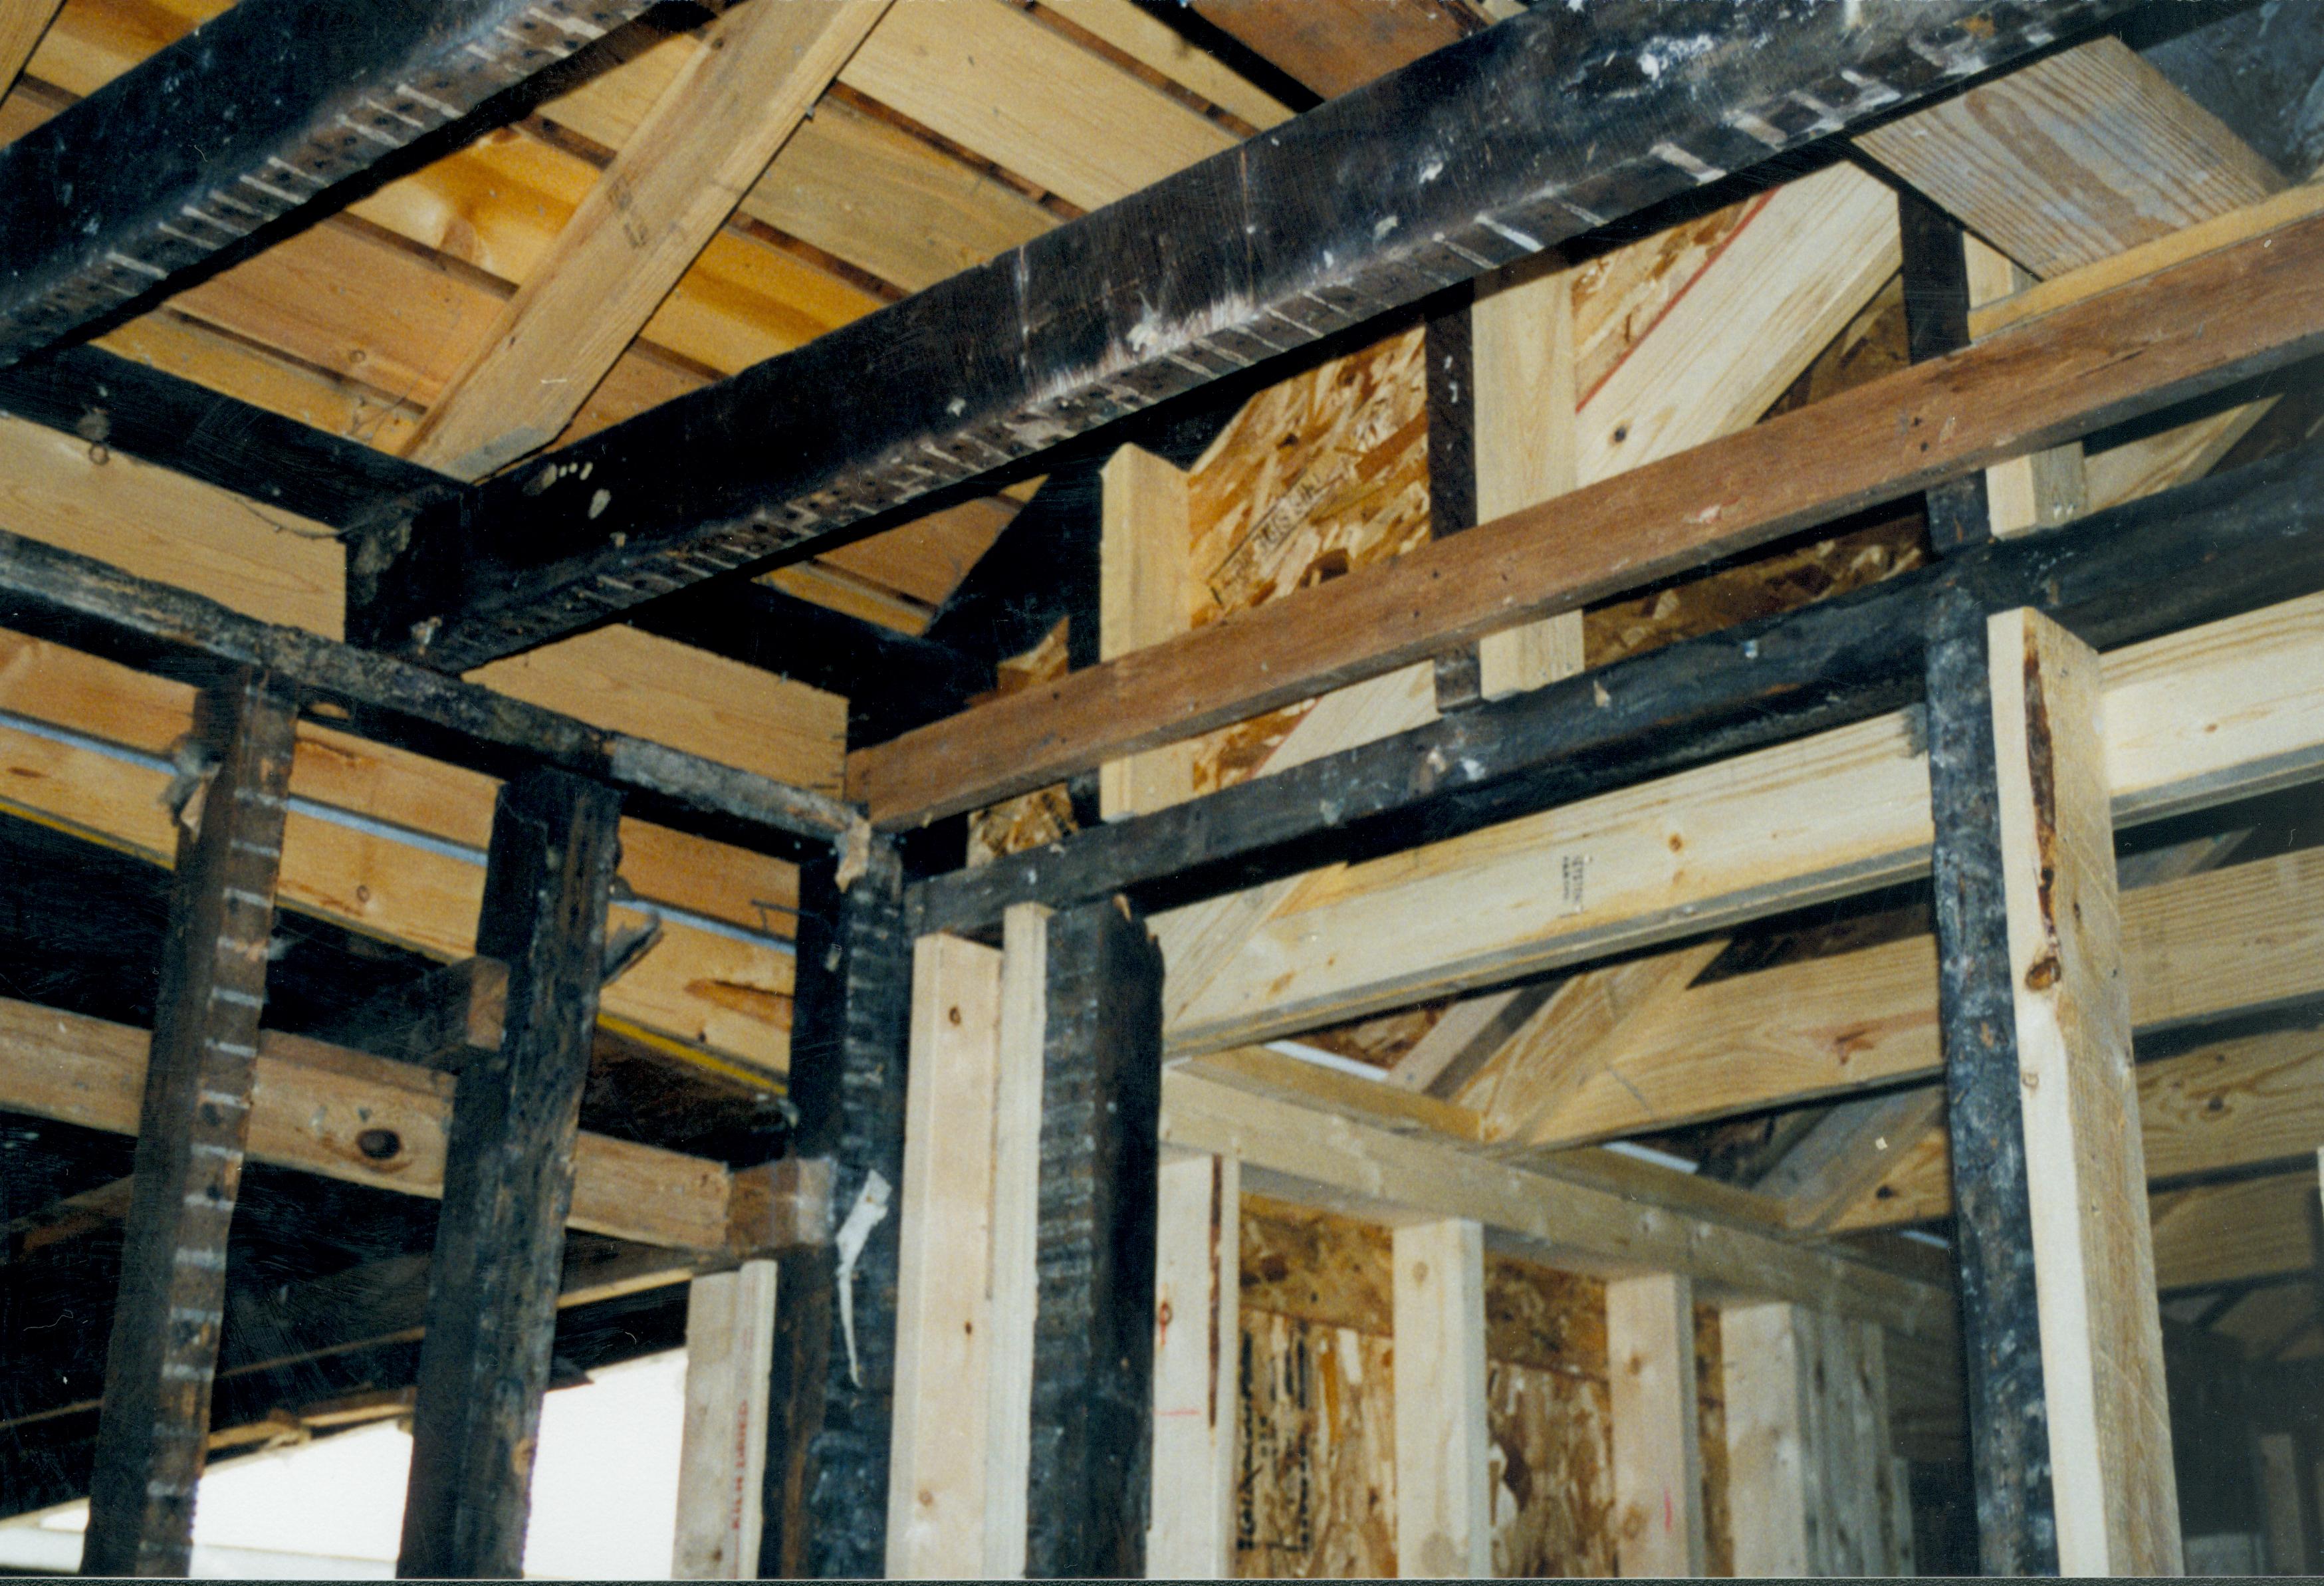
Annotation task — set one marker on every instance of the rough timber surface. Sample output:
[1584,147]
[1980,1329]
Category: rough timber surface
[2219,547]
[89,606]
[243,121]
[2186,329]
[1368,203]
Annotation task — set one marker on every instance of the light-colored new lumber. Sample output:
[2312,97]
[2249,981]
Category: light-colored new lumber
[2074,158]
[705,142]
[989,76]
[721,1459]
[1016,1235]
[2212,1235]
[1657,1438]
[1397,1175]
[1848,1152]
[2192,719]
[1146,595]
[2109,1419]
[317,1107]
[1197,1283]
[1527,428]
[2042,489]
[20,29]
[1444,1491]
[936,1471]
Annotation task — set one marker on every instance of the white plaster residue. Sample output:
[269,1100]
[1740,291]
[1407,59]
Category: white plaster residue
[1658,59]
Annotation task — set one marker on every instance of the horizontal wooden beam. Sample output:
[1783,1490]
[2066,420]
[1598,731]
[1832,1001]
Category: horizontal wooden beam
[87,604]
[248,117]
[349,1116]
[2205,551]
[1289,1152]
[2190,328]
[2192,719]
[1512,141]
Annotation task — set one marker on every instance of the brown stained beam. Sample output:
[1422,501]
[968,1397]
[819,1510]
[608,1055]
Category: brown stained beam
[153,1426]
[508,1183]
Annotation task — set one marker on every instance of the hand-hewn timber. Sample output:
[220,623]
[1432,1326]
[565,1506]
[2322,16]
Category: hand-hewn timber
[1093,1325]
[1936,322]
[1993,1238]
[2182,331]
[118,404]
[243,120]
[1504,143]
[830,1405]
[508,1183]
[154,1427]
[89,606]
[2224,545]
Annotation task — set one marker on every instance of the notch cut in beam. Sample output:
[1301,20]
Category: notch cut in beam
[2190,328]
[1510,141]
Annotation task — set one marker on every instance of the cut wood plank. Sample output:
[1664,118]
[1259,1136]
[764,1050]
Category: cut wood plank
[730,1346]
[2125,351]
[1527,419]
[1444,1491]
[347,1116]
[1657,1440]
[1120,24]
[1848,1153]
[1146,594]
[20,35]
[2224,1233]
[2191,718]
[1191,1536]
[1333,46]
[2041,489]
[1384,1175]
[707,139]
[2109,1420]
[992,78]
[2074,158]
[1016,1235]
[936,1471]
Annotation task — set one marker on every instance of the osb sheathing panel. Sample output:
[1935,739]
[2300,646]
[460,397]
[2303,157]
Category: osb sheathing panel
[1316,1489]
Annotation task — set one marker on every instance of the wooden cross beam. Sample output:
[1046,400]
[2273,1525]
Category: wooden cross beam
[508,1182]
[1504,143]
[247,119]
[153,1426]
[89,606]
[2136,571]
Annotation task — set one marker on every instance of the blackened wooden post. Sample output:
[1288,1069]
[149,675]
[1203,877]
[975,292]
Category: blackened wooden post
[1936,322]
[831,1398]
[1093,1328]
[1447,348]
[1993,1234]
[154,1427]
[508,1182]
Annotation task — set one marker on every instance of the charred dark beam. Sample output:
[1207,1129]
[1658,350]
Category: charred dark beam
[832,1396]
[245,119]
[1936,322]
[120,405]
[1520,137]
[2223,545]
[73,600]
[430,1021]
[508,1182]
[1093,1327]
[153,1428]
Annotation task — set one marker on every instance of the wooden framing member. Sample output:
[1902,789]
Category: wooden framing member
[2127,348]
[243,121]
[508,1183]
[2068,1419]
[1813,1488]
[704,144]
[730,1338]
[1198,1280]
[194,1126]
[1658,1526]
[1443,1492]
[1146,587]
[1284,257]
[1093,1325]
[831,1402]
[938,1476]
